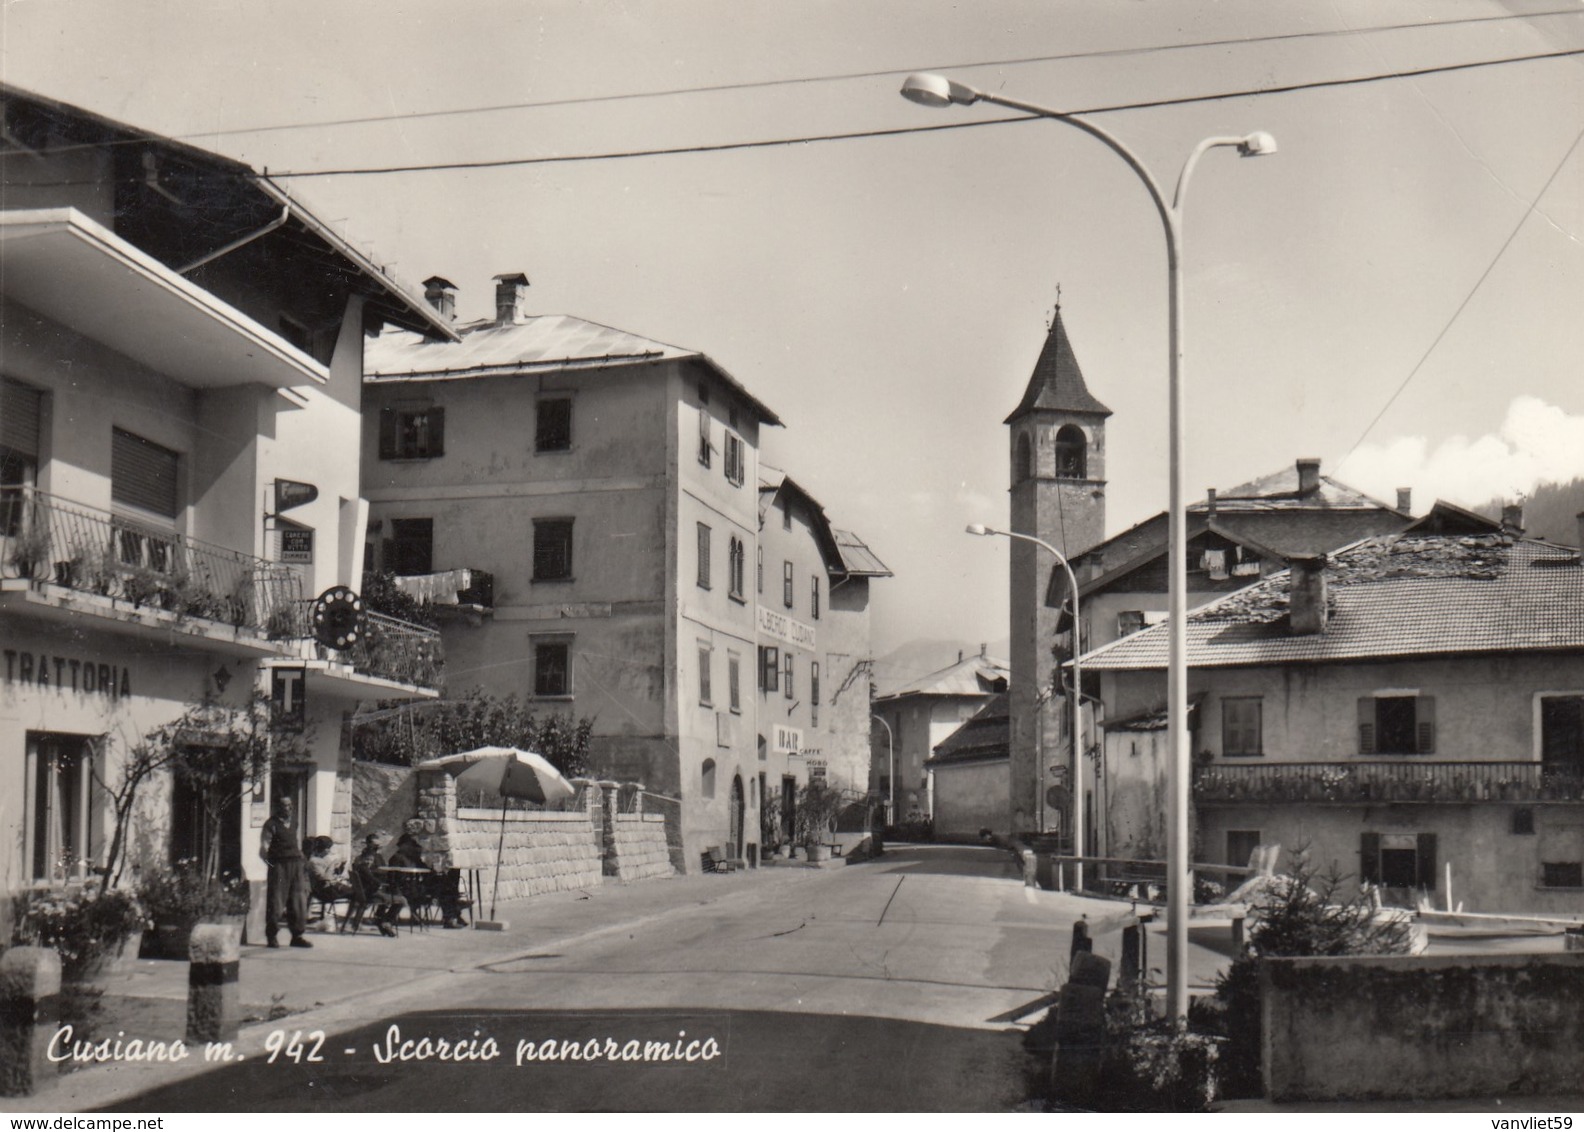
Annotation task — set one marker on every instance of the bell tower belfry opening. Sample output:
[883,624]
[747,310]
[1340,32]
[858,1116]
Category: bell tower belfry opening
[1058,496]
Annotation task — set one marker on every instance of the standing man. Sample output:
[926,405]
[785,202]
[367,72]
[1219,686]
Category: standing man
[286,895]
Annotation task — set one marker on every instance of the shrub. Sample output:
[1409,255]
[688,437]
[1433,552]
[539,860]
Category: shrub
[1150,1065]
[81,925]
[1301,914]
[181,896]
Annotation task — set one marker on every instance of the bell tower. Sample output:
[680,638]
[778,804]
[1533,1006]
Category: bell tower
[1057,436]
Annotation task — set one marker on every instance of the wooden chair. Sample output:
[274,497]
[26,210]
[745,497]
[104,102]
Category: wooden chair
[322,902]
[716,861]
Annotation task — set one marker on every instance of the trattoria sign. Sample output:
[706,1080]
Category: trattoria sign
[63,673]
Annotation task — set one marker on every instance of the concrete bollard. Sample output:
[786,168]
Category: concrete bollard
[30,980]
[1132,955]
[213,1010]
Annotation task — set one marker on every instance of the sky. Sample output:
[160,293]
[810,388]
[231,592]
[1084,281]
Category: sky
[1396,291]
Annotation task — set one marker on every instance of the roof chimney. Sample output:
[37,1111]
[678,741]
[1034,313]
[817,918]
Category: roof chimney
[1512,518]
[1307,609]
[1210,503]
[511,297]
[983,649]
[1308,474]
[1405,500]
[440,293]
[959,656]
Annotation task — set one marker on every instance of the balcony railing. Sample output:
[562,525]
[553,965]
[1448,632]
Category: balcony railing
[388,647]
[50,540]
[1411,780]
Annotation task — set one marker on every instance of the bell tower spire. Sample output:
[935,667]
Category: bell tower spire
[1057,496]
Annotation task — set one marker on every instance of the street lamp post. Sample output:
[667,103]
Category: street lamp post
[939,91]
[1077,703]
[891,762]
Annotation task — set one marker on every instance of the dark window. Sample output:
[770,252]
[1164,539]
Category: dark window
[734,563]
[786,675]
[553,428]
[759,567]
[1523,821]
[1396,725]
[194,836]
[1025,459]
[412,434]
[814,693]
[1562,874]
[552,668]
[814,604]
[411,547]
[704,556]
[769,668]
[705,448]
[1241,726]
[61,812]
[21,430]
[1562,733]
[552,550]
[143,475]
[1129,621]
[786,584]
[1241,844]
[1071,450]
[706,662]
[1398,860]
[734,680]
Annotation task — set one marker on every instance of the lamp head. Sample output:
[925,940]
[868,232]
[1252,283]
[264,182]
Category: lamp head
[937,90]
[1257,144]
[978,529]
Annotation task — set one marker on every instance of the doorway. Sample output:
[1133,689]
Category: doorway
[737,809]
[62,810]
[789,807]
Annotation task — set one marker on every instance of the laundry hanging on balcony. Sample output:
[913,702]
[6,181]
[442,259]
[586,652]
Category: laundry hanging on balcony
[436,589]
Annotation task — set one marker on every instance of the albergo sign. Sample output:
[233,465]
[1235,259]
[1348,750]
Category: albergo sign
[80,674]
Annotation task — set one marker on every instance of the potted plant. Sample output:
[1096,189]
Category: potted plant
[770,836]
[818,805]
[97,931]
[180,897]
[30,551]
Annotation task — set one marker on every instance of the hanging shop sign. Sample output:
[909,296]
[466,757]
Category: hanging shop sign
[289,694]
[290,493]
[296,544]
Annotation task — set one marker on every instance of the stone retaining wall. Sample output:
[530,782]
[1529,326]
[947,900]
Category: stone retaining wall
[640,848]
[541,852]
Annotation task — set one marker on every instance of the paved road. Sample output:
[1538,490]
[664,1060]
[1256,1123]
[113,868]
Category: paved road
[890,985]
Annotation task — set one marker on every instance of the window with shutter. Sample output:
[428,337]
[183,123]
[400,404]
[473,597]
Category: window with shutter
[1395,730]
[704,437]
[769,668]
[734,681]
[1424,722]
[786,675]
[412,433]
[814,693]
[759,569]
[706,658]
[143,475]
[814,597]
[703,556]
[735,556]
[1369,858]
[786,584]
[552,550]
[1241,727]
[1366,725]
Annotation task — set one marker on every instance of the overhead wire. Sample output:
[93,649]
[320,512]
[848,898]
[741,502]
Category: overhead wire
[847,76]
[767,143]
[1468,298]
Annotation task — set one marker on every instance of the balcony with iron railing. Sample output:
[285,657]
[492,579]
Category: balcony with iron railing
[387,647]
[73,547]
[1408,780]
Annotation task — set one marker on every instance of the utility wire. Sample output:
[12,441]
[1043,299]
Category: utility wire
[1507,243]
[764,84]
[723,147]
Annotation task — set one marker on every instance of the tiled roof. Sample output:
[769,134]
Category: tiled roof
[1057,383]
[857,558]
[1279,492]
[538,344]
[976,675]
[1394,595]
[984,737]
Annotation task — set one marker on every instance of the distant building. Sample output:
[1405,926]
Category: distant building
[969,768]
[1412,702]
[183,348]
[921,714]
[812,594]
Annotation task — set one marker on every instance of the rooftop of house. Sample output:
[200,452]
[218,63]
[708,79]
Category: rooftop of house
[844,552]
[977,675]
[986,736]
[1405,594]
[517,344]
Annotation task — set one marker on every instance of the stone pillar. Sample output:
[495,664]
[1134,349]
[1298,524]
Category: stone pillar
[213,1011]
[610,804]
[30,979]
[435,821]
[638,795]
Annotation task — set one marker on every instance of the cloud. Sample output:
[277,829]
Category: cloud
[1536,443]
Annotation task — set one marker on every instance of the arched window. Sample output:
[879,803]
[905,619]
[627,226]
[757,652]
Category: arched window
[707,779]
[1025,459]
[1071,452]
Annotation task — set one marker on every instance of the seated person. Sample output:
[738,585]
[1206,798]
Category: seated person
[326,879]
[437,886]
[388,903]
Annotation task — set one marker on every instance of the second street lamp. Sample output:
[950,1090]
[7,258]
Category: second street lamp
[939,91]
[1077,701]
